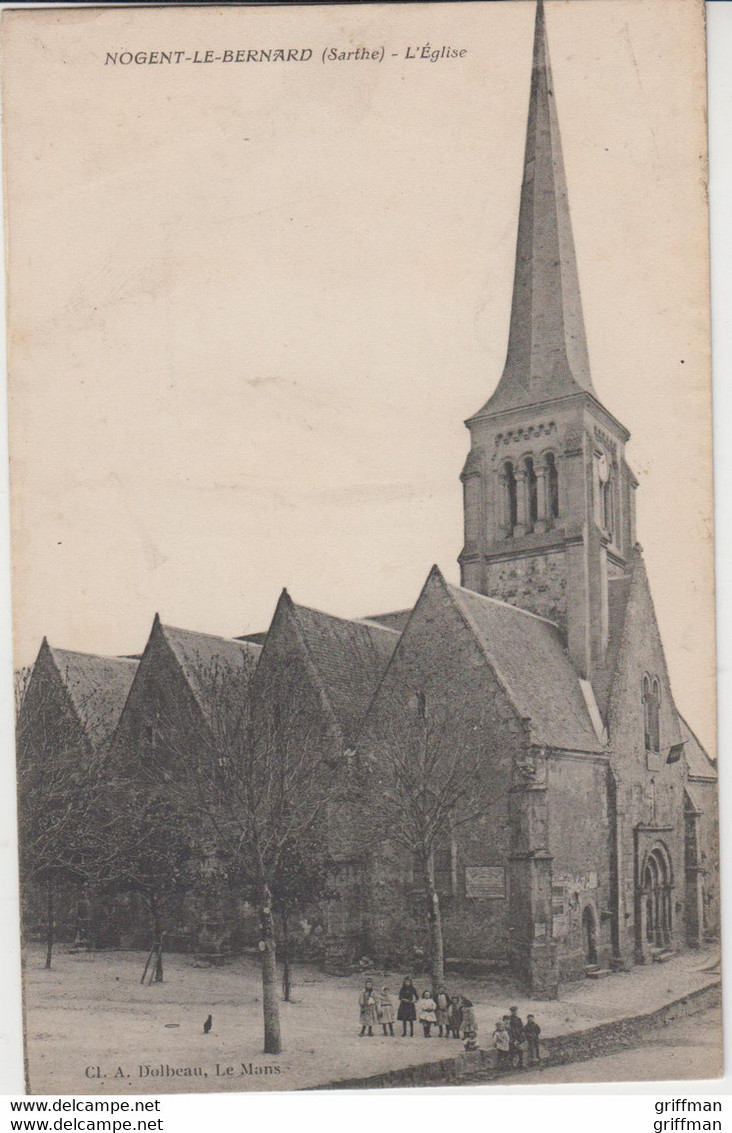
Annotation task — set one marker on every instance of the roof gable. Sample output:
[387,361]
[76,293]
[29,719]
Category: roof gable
[350,658]
[700,765]
[640,649]
[527,655]
[618,591]
[344,659]
[212,666]
[98,688]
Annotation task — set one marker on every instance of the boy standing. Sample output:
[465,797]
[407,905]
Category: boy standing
[518,1037]
[532,1031]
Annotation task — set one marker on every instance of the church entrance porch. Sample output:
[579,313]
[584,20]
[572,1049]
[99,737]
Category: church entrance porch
[654,903]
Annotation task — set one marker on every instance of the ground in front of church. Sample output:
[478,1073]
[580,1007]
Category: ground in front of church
[93,1028]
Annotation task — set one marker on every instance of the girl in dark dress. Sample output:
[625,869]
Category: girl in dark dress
[407,1012]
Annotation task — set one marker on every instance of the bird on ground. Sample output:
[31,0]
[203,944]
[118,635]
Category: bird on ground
[207,1025]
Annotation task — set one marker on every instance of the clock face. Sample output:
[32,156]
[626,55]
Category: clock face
[603,468]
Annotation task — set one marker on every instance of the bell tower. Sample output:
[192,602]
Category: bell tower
[548,496]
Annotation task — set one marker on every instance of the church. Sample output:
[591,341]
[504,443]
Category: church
[596,844]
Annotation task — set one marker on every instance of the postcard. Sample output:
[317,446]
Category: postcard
[362,539]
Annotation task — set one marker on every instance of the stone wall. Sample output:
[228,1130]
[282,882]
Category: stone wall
[558,1050]
[579,844]
[650,794]
[439,656]
[535,582]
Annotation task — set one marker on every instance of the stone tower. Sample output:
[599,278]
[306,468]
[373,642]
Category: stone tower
[548,496]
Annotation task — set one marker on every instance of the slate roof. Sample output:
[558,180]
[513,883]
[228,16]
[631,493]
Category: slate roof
[618,591]
[257,638]
[528,656]
[350,657]
[98,687]
[397,619]
[696,792]
[700,765]
[205,659]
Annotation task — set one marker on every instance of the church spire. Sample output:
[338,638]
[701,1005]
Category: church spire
[547,350]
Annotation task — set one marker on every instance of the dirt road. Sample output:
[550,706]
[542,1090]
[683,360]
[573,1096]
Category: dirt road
[688,1048]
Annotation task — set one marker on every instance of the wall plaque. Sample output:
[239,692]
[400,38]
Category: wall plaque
[487,882]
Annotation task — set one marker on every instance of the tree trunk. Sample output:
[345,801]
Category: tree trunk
[437,948]
[270,1005]
[434,919]
[82,907]
[286,975]
[147,964]
[158,973]
[50,923]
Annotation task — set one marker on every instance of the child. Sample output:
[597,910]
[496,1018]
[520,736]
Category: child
[443,1003]
[427,1012]
[468,1020]
[368,1012]
[407,1012]
[532,1030]
[386,1011]
[518,1038]
[454,1018]
[502,1044]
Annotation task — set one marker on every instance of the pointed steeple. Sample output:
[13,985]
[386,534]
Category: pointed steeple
[547,350]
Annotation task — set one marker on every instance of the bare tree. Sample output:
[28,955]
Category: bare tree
[58,791]
[257,771]
[21,680]
[300,882]
[427,760]
[140,847]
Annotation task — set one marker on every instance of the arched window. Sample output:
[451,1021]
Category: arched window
[605,489]
[608,505]
[655,714]
[651,707]
[511,508]
[532,498]
[552,486]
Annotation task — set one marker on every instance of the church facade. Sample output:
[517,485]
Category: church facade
[597,851]
[596,843]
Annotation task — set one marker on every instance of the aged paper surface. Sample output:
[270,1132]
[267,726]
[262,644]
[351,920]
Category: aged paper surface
[262,266]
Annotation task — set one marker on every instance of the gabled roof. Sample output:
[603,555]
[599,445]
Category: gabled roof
[618,590]
[700,765]
[212,663]
[527,654]
[633,621]
[98,688]
[350,657]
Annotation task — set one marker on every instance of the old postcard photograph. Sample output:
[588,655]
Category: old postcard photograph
[362,545]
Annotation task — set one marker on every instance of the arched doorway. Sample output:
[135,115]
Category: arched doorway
[589,935]
[656,896]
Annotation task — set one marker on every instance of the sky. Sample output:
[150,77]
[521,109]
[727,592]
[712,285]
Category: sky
[252,305]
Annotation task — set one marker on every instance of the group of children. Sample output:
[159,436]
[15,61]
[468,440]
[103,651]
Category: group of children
[512,1038]
[453,1016]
